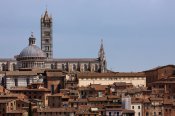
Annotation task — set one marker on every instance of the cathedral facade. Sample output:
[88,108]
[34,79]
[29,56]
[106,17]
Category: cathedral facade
[33,57]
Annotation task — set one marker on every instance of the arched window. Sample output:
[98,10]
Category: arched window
[52,66]
[74,67]
[3,67]
[28,81]
[96,67]
[14,66]
[85,67]
[47,55]
[63,67]
[3,81]
[55,65]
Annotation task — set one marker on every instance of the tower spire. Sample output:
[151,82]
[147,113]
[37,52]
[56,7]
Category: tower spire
[101,53]
[102,59]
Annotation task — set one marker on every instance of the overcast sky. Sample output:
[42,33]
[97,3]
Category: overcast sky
[137,34]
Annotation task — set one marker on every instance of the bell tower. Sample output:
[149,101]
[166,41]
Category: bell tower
[46,35]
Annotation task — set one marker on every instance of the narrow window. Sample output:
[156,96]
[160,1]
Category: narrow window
[132,107]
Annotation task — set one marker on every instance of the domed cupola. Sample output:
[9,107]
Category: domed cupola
[31,56]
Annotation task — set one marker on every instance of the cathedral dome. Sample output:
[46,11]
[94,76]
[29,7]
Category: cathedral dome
[32,51]
[31,56]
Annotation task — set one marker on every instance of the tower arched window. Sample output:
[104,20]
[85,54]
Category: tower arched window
[47,55]
[85,67]
[74,67]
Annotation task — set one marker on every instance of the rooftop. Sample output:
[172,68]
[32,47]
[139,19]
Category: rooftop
[140,74]
[56,110]
[22,73]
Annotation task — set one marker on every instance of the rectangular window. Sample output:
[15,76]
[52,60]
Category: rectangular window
[28,81]
[16,82]
[52,89]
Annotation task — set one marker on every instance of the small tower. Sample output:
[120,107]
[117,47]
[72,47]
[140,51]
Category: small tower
[102,59]
[32,39]
[46,35]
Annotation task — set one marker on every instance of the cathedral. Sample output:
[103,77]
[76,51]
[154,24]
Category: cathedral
[34,57]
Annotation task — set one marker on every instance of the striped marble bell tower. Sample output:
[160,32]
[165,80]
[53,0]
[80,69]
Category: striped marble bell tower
[46,35]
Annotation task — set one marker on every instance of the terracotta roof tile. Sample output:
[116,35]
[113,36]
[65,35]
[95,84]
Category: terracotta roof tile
[27,89]
[99,87]
[113,97]
[94,99]
[54,74]
[136,100]
[155,99]
[168,102]
[102,75]
[78,100]
[159,67]
[16,111]
[21,73]
[56,110]
[128,111]
[6,101]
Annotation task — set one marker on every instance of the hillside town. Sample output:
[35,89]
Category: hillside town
[34,83]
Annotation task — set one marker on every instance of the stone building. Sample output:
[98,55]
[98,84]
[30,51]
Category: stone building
[136,105]
[159,73]
[21,78]
[6,106]
[164,88]
[136,79]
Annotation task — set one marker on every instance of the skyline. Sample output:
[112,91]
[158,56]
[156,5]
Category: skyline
[142,31]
